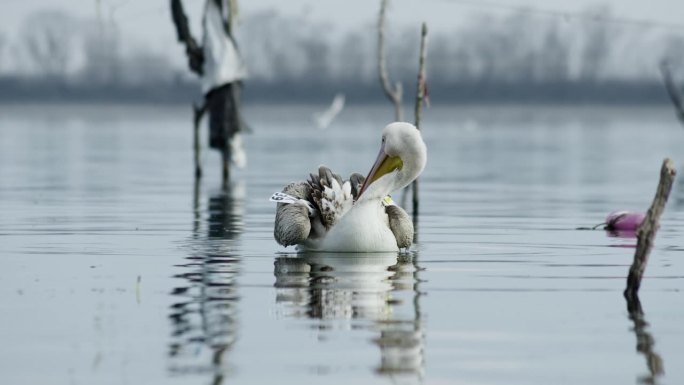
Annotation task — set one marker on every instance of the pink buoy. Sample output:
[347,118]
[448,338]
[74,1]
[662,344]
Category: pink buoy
[624,220]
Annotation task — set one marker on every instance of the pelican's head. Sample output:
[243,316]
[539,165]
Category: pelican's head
[401,159]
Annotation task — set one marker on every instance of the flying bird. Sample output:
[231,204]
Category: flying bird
[325,118]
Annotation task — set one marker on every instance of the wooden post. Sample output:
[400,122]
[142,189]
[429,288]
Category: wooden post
[232,15]
[226,166]
[647,231]
[197,216]
[394,95]
[194,53]
[420,99]
[234,89]
[198,112]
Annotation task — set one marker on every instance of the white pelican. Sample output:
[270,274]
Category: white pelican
[327,214]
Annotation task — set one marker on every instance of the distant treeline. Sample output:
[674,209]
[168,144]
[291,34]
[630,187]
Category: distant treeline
[13,90]
[515,57]
[571,92]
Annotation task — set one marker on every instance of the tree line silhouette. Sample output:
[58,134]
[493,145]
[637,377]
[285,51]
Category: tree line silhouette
[512,57]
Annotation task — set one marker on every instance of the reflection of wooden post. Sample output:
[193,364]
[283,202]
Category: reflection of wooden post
[645,341]
[394,95]
[647,230]
[420,99]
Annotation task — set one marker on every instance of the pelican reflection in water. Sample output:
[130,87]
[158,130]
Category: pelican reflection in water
[345,290]
[204,315]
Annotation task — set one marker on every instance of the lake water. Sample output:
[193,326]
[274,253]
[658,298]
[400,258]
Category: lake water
[116,268]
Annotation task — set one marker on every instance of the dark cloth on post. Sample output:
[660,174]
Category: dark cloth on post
[192,49]
[224,119]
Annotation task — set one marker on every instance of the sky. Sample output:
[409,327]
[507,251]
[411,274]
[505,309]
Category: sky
[147,23]
[150,19]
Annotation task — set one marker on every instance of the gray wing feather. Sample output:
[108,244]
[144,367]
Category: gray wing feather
[292,222]
[401,225]
[356,181]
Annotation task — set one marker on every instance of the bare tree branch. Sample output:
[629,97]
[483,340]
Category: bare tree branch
[421,90]
[647,230]
[47,41]
[394,95]
[672,90]
[3,42]
[420,99]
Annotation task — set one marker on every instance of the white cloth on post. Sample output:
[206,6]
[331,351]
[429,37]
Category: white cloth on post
[222,62]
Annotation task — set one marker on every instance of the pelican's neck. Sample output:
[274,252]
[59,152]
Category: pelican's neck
[393,181]
[413,155]
[380,188]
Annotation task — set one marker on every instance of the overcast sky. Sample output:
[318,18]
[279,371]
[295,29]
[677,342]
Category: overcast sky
[148,23]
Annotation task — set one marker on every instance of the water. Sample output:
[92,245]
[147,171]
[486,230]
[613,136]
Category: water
[116,268]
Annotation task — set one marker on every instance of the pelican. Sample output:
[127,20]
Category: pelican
[357,215]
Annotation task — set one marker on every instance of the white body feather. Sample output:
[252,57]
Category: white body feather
[363,228]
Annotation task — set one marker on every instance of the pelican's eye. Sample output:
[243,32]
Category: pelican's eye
[383,139]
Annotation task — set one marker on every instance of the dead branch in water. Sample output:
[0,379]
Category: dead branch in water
[420,99]
[647,231]
[672,90]
[394,95]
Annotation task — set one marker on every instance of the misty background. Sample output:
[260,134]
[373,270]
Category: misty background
[513,56]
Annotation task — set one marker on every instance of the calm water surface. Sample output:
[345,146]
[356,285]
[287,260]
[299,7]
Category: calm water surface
[115,268]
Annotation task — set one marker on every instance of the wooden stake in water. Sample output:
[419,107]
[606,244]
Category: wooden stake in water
[196,119]
[647,231]
[394,95]
[420,99]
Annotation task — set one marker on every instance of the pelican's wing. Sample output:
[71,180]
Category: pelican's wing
[356,181]
[331,196]
[293,220]
[323,200]
[401,225]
